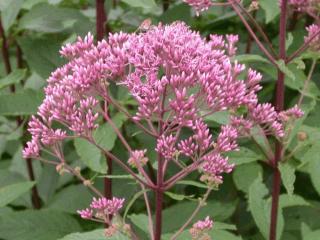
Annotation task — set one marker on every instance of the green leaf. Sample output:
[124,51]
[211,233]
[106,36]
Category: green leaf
[25,102]
[141,221]
[93,235]
[177,197]
[177,214]
[289,40]
[179,12]
[46,58]
[222,117]
[271,9]
[248,58]
[214,233]
[244,155]
[13,191]
[145,4]
[284,68]
[192,183]
[14,77]
[10,12]
[288,176]
[312,235]
[68,200]
[105,136]
[49,19]
[286,200]
[245,174]
[40,225]
[98,234]
[90,155]
[314,167]
[261,209]
[132,201]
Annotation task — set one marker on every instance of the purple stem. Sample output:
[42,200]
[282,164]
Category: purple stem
[36,202]
[279,104]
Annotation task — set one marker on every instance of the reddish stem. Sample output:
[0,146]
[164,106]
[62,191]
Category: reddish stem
[4,49]
[279,104]
[159,200]
[36,203]
[249,40]
[165,5]
[101,19]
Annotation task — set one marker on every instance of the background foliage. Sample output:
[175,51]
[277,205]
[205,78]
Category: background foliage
[35,30]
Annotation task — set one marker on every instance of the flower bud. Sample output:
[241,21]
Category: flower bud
[302,136]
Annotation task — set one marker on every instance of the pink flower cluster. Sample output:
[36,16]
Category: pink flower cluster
[102,207]
[309,6]
[138,158]
[199,229]
[313,30]
[176,77]
[199,5]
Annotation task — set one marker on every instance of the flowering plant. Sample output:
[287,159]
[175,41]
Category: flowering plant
[177,79]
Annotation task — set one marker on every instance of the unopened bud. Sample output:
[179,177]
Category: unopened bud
[253,6]
[60,168]
[77,170]
[87,183]
[302,136]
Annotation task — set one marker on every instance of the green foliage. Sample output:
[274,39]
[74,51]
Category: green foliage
[24,102]
[13,191]
[40,225]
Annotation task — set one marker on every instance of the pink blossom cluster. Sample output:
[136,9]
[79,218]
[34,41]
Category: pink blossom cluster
[199,5]
[176,77]
[314,37]
[309,6]
[138,158]
[101,208]
[199,229]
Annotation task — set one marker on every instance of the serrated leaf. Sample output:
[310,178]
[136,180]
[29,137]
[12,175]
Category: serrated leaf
[13,191]
[288,176]
[284,68]
[14,77]
[40,225]
[261,208]
[25,102]
[257,193]
[271,9]
[90,155]
[286,200]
